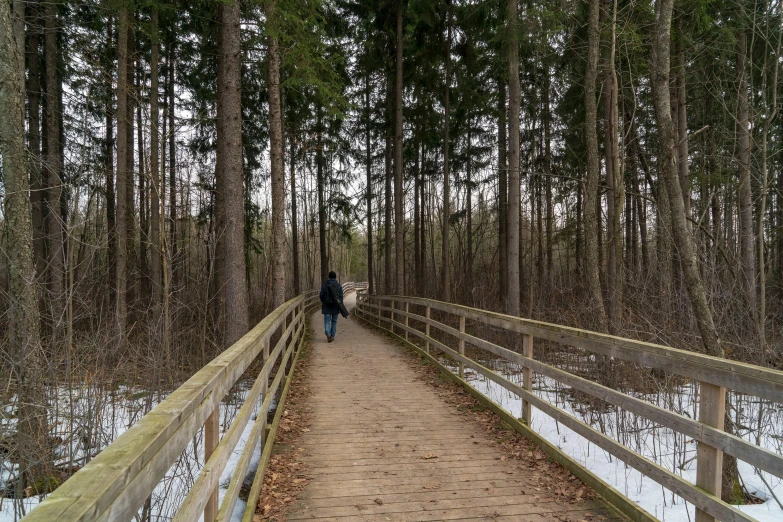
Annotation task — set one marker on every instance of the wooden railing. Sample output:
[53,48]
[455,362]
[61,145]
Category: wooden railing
[713,374]
[116,484]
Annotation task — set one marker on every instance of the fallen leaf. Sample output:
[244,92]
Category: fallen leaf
[379,501]
[429,456]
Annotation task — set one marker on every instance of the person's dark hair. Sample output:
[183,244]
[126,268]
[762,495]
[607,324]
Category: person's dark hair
[332,275]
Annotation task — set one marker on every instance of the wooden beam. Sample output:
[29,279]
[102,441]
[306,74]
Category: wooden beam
[527,376]
[461,345]
[709,460]
[211,440]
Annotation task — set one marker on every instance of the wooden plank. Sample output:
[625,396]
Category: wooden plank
[406,319]
[527,376]
[211,440]
[427,329]
[709,460]
[461,343]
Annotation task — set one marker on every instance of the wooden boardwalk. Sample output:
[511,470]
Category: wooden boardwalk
[382,445]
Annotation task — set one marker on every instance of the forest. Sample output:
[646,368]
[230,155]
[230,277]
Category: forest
[174,171]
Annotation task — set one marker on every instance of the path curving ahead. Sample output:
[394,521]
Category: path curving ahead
[382,445]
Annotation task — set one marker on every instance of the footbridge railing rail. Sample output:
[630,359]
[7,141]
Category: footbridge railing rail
[118,482]
[400,315]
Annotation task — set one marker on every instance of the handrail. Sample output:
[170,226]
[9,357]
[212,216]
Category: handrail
[714,375]
[117,482]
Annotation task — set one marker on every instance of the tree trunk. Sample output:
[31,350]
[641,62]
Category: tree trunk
[578,248]
[671,182]
[550,216]
[502,193]
[219,206]
[234,282]
[682,124]
[143,189]
[122,171]
[155,177]
[445,268]
[130,181]
[37,182]
[24,345]
[279,251]
[514,195]
[399,218]
[54,170]
[388,280]
[423,225]
[591,200]
[294,219]
[319,159]
[110,198]
[173,243]
[417,188]
[368,167]
[744,191]
[773,112]
[469,220]
[615,194]
[660,66]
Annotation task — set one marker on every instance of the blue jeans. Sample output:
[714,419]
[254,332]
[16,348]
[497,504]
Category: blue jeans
[330,324]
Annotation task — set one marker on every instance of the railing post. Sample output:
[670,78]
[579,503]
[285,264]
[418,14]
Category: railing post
[709,460]
[264,390]
[461,345]
[527,375]
[406,320]
[391,315]
[378,311]
[427,329]
[211,440]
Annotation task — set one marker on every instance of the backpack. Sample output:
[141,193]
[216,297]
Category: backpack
[331,297]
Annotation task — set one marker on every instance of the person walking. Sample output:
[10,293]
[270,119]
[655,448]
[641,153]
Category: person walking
[331,299]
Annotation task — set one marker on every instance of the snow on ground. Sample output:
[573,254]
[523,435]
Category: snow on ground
[117,411]
[669,449]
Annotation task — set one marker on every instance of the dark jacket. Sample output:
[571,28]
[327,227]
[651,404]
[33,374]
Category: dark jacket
[338,291]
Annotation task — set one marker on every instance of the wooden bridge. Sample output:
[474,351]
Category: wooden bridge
[384,445]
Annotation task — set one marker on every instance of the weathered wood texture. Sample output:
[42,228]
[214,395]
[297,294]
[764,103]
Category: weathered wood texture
[374,423]
[714,374]
[115,484]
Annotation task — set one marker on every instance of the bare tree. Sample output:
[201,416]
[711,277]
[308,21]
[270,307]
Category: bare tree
[659,69]
[121,210]
[399,217]
[54,168]
[368,167]
[744,192]
[37,182]
[155,174]
[595,301]
[514,192]
[614,176]
[279,249]
[502,192]
[23,316]
[445,276]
